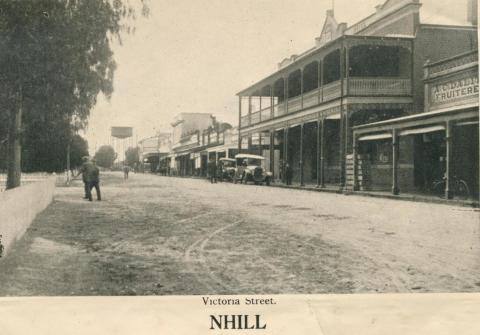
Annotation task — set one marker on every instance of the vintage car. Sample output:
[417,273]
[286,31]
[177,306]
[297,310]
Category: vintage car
[227,168]
[249,168]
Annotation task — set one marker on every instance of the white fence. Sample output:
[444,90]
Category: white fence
[20,206]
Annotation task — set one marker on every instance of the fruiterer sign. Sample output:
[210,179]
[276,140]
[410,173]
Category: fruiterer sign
[454,89]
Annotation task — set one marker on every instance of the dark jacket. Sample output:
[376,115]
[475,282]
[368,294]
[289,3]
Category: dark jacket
[212,168]
[94,174]
[86,170]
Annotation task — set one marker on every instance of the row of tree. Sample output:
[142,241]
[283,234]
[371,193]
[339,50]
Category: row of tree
[56,58]
[105,156]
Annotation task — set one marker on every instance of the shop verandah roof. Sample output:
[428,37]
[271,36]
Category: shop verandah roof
[421,119]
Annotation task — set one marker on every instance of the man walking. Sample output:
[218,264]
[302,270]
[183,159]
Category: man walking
[288,174]
[212,170]
[126,170]
[84,170]
[94,181]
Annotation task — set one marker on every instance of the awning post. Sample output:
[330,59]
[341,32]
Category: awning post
[302,182]
[355,163]
[448,161]
[395,139]
[272,152]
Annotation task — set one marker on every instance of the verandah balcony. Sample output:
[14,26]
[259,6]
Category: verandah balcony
[366,67]
[353,87]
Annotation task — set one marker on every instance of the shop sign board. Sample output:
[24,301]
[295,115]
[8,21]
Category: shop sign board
[454,90]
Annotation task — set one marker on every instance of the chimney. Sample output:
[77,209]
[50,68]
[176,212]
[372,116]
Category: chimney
[330,12]
[472,14]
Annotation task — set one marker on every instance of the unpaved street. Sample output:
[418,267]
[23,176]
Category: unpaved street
[163,235]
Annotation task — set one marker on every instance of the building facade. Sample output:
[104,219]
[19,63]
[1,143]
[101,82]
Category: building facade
[197,138]
[153,149]
[436,151]
[305,112]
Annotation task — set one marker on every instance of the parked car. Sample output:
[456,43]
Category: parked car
[227,168]
[249,168]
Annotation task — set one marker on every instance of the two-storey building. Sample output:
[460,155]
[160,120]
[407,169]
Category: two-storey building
[303,113]
[432,152]
[198,137]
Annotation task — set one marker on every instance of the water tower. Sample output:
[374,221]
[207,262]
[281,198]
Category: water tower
[121,139]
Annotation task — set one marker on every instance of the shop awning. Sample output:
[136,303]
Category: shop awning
[375,137]
[422,130]
[467,123]
[335,116]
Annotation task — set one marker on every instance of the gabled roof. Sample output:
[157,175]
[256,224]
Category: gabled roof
[331,29]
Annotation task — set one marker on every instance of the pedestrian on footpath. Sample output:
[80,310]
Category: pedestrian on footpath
[220,171]
[84,171]
[126,170]
[94,181]
[281,172]
[288,173]
[212,170]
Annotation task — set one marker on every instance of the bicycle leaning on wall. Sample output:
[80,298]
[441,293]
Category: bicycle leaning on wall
[459,189]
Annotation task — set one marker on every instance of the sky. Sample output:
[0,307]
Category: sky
[195,55]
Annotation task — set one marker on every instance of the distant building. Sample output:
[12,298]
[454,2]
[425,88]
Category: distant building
[154,148]
[193,135]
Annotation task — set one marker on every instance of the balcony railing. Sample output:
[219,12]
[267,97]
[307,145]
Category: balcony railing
[279,109]
[331,91]
[311,98]
[379,86]
[244,121]
[451,63]
[265,113]
[294,104]
[255,118]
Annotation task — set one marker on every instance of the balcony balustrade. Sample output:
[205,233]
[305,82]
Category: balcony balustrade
[331,91]
[379,86]
[294,104]
[311,98]
[265,114]
[279,109]
[244,121]
[255,118]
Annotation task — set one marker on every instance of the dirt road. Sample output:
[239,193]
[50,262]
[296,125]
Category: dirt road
[162,235]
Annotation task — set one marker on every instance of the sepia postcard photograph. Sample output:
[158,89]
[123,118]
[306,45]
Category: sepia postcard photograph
[272,166]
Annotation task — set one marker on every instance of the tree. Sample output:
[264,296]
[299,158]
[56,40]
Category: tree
[78,150]
[132,156]
[105,156]
[56,58]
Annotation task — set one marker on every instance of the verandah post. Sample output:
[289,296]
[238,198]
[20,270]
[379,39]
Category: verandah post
[448,161]
[395,145]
